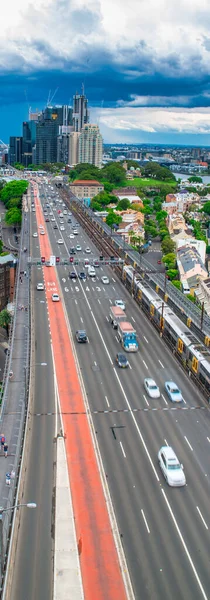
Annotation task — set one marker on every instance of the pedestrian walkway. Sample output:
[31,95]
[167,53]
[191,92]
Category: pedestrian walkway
[67,576]
[15,386]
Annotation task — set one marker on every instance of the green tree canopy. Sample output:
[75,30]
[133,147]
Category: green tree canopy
[167,245]
[113,219]
[13,189]
[123,204]
[172,274]
[206,208]
[153,169]
[161,215]
[177,284]
[114,173]
[5,319]
[195,179]
[13,216]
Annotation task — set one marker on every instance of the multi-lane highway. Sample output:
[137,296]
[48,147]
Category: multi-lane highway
[164,531]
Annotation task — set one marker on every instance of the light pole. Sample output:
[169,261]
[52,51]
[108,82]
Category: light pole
[3,510]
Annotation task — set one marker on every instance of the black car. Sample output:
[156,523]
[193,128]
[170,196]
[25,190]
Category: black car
[69,221]
[72,275]
[122,361]
[72,251]
[47,220]
[81,336]
[55,227]
[82,275]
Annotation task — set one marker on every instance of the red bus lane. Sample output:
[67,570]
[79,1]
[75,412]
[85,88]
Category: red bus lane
[101,573]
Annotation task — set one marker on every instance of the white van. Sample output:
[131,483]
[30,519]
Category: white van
[65,212]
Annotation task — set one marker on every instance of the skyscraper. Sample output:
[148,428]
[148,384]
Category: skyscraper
[29,140]
[91,145]
[80,112]
[15,149]
[47,132]
[73,158]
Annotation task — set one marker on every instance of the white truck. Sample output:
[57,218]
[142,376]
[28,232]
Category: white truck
[127,336]
[116,315]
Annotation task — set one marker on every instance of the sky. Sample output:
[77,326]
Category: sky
[145,65]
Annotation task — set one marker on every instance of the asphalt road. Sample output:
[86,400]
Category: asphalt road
[165,532]
[33,573]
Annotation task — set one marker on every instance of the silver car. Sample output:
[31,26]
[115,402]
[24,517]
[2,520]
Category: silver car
[151,388]
[171,467]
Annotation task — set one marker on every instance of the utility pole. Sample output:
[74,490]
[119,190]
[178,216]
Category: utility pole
[202,315]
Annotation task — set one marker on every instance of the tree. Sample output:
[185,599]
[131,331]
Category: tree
[169,260]
[108,187]
[195,179]
[19,166]
[167,245]
[5,319]
[96,206]
[123,204]
[206,208]
[172,273]
[177,284]
[114,173]
[154,170]
[161,215]
[113,219]
[13,216]
[14,202]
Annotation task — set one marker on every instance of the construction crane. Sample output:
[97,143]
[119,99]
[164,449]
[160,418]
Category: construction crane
[50,98]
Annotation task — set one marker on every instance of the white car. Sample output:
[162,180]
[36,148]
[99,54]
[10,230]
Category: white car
[33,210]
[35,234]
[42,232]
[40,286]
[120,303]
[71,236]
[104,279]
[75,232]
[151,388]
[62,228]
[55,297]
[91,272]
[173,391]
[53,219]
[171,467]
[78,248]
[87,250]
[60,241]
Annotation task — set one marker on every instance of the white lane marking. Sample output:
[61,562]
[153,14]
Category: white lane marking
[116,339]
[75,301]
[184,401]
[143,515]
[184,546]
[146,400]
[107,401]
[113,288]
[129,366]
[63,279]
[146,339]
[164,399]
[208,439]
[95,363]
[123,451]
[99,301]
[201,516]
[133,319]
[109,298]
[81,319]
[113,280]
[188,443]
[107,318]
[166,442]
[161,363]
[66,289]
[145,364]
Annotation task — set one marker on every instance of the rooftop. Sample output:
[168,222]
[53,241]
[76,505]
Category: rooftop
[86,182]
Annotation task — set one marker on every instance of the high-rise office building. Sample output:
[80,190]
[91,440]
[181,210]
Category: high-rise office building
[73,157]
[15,149]
[91,145]
[47,132]
[80,112]
[63,143]
[29,140]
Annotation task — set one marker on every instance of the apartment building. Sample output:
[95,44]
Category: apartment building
[191,267]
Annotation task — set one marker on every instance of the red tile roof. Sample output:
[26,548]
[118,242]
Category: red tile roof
[86,182]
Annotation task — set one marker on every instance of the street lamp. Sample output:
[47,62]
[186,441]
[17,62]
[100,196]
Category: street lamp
[3,510]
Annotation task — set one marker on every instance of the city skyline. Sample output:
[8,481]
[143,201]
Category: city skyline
[145,71]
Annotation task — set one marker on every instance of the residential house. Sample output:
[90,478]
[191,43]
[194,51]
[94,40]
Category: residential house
[191,267]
